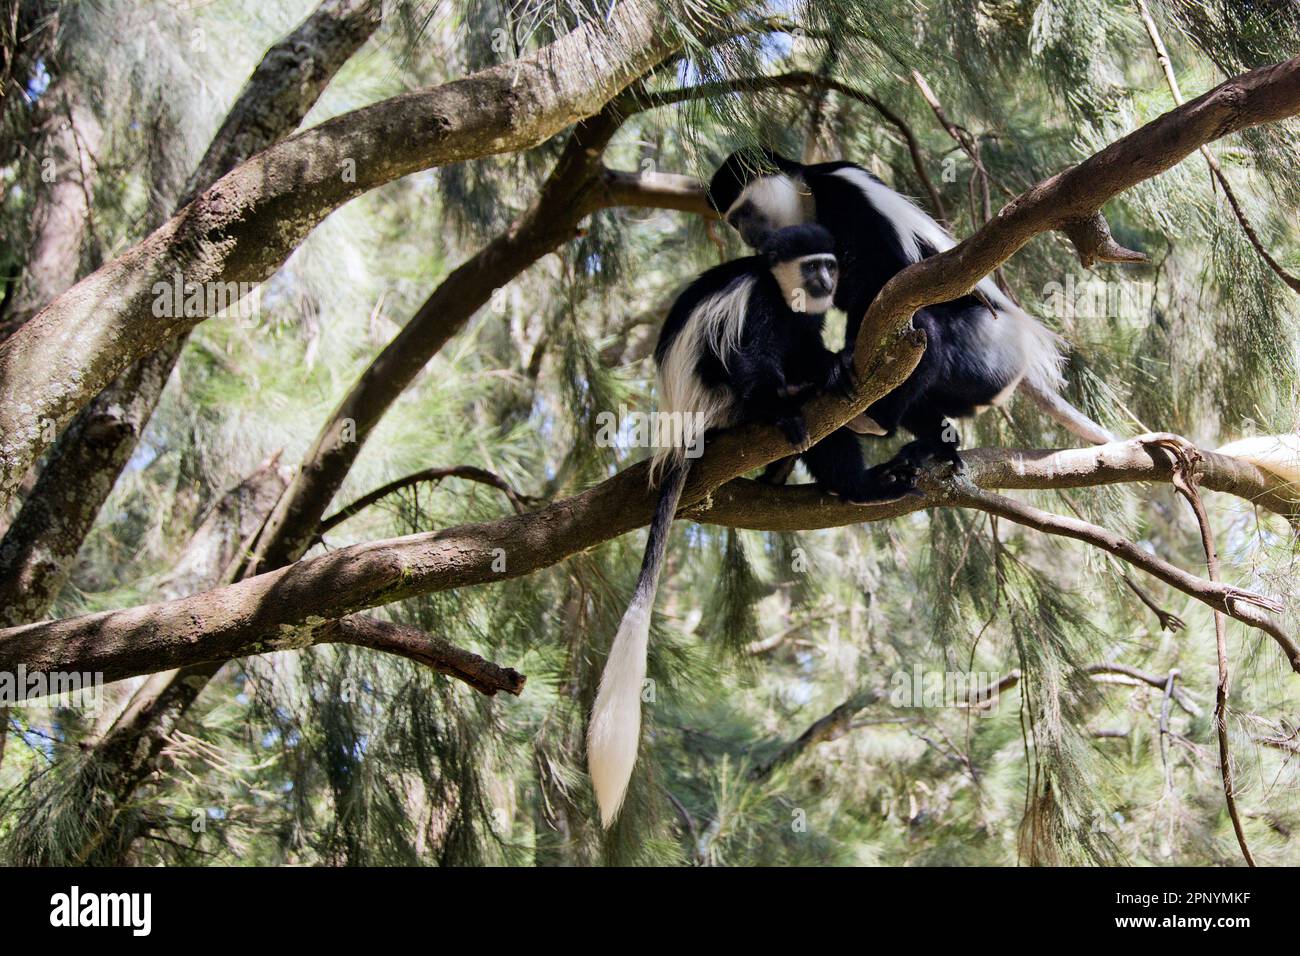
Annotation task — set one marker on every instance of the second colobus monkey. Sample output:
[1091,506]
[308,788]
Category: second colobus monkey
[742,343]
[974,357]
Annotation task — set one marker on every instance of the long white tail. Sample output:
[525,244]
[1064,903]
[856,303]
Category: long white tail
[1279,454]
[614,734]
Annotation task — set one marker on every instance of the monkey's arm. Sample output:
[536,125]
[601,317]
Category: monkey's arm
[817,369]
[766,395]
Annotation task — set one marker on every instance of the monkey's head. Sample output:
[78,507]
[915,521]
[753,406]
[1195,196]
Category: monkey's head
[802,259]
[759,193]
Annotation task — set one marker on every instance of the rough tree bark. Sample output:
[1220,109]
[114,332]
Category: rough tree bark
[578,185]
[39,547]
[243,227]
[286,609]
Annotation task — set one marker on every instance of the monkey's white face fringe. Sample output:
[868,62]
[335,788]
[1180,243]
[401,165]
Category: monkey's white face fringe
[615,729]
[784,201]
[1278,454]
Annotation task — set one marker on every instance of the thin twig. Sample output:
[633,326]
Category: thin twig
[468,472]
[1184,480]
[1164,729]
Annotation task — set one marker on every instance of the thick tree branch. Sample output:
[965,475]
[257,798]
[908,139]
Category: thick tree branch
[281,608]
[577,186]
[245,225]
[655,191]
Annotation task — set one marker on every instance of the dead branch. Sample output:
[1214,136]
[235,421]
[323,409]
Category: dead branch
[1184,480]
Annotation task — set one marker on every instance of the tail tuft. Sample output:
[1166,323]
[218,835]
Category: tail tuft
[1277,454]
[614,733]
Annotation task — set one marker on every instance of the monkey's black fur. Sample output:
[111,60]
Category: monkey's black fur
[964,366]
[780,360]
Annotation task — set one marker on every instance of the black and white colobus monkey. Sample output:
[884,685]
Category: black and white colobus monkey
[974,357]
[742,343]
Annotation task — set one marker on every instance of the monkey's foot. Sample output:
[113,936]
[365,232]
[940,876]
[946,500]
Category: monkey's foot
[922,451]
[795,431]
[891,481]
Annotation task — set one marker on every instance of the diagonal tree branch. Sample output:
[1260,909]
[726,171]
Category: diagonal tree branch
[243,227]
[47,533]
[830,727]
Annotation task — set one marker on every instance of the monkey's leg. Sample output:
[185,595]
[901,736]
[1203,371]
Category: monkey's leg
[778,472]
[836,462]
[936,437]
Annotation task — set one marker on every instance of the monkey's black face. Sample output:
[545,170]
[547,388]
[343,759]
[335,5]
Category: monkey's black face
[766,204]
[802,260]
[748,220]
[819,275]
[807,282]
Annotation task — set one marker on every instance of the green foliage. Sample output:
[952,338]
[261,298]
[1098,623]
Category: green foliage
[341,756]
